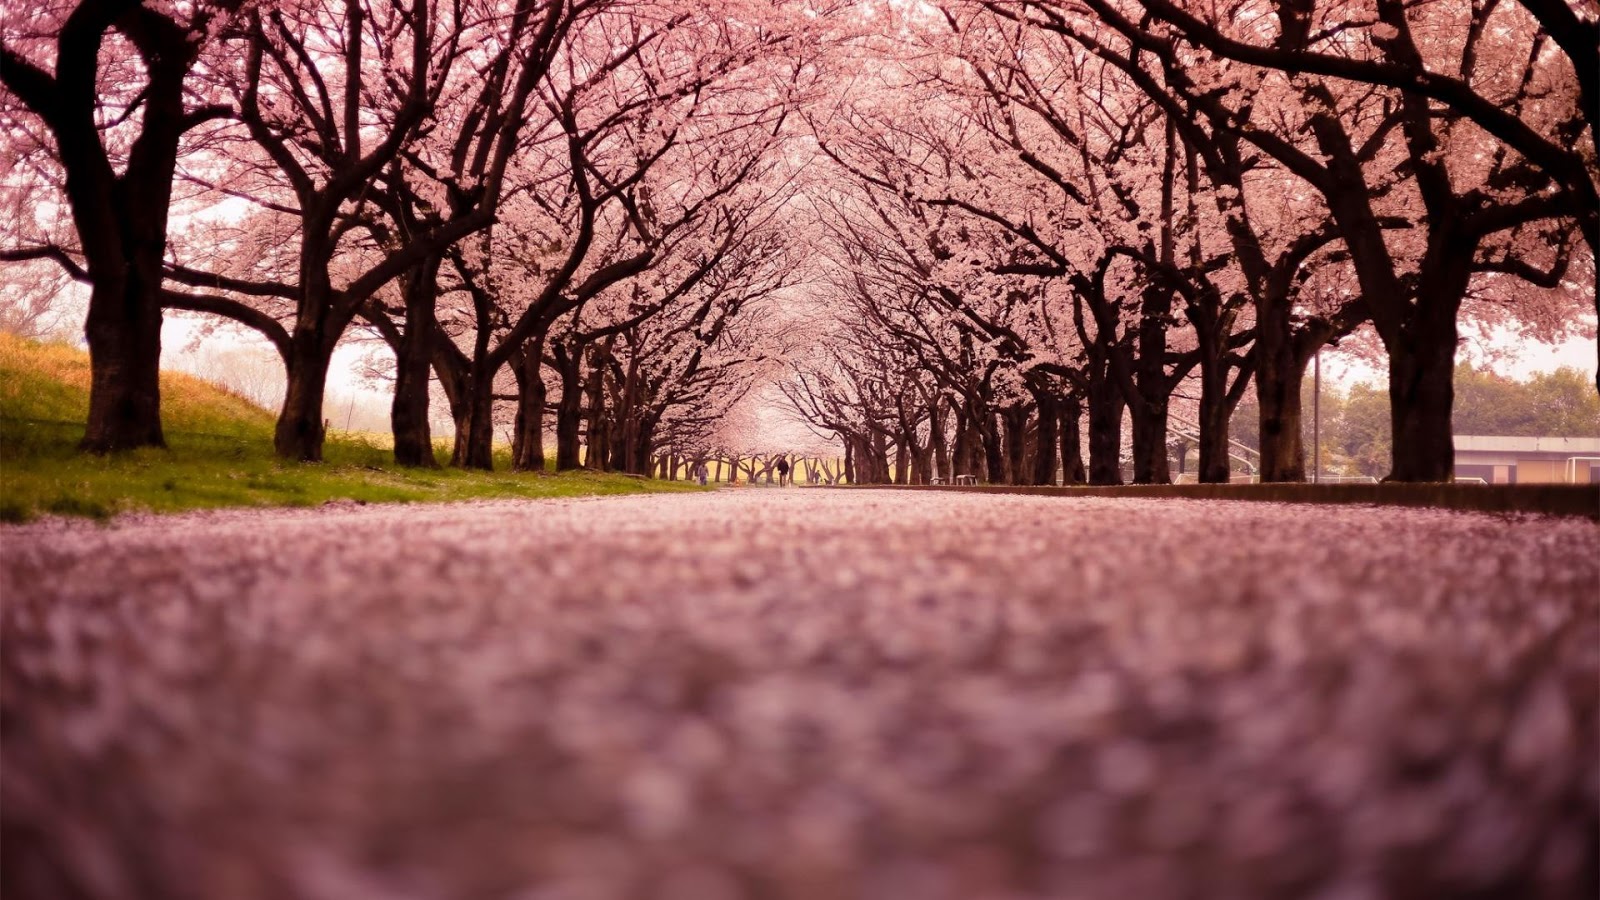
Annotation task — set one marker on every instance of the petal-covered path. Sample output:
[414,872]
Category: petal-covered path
[802,694]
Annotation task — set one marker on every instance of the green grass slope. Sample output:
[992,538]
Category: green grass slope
[220,454]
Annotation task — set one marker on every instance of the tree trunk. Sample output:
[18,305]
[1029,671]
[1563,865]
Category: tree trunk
[1072,471]
[1215,413]
[1149,421]
[1214,466]
[474,448]
[961,455]
[569,415]
[1044,458]
[619,455]
[408,414]
[1105,429]
[1279,374]
[299,431]
[993,453]
[1147,387]
[124,335]
[1421,395]
[644,443]
[599,431]
[527,445]
[640,462]
[1015,421]
[1422,367]
[474,415]
[628,413]
[936,439]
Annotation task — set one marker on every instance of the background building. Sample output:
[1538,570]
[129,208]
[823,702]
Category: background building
[1528,460]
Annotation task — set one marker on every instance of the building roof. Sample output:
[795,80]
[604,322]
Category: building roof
[1501,443]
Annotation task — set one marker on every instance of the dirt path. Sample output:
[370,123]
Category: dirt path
[802,694]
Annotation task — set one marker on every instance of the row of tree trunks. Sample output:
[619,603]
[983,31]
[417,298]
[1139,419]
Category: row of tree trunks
[1016,445]
[1021,445]
[1038,443]
[602,421]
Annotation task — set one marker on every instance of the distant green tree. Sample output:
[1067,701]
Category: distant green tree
[1567,403]
[1487,403]
[1554,404]
[1362,435]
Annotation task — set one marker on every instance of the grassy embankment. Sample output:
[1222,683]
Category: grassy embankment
[220,454]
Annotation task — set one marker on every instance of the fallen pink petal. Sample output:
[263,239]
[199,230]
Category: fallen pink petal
[808,694]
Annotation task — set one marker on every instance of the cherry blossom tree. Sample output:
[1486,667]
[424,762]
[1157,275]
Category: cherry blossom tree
[1273,231]
[1527,73]
[454,171]
[1374,154]
[678,374]
[330,93]
[105,86]
[1024,166]
[651,125]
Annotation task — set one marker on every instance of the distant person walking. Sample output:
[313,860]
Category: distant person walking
[700,472]
[783,471]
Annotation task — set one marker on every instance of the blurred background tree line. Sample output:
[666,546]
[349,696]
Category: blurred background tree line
[1355,421]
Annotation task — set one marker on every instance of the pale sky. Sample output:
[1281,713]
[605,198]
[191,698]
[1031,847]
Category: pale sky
[1518,361]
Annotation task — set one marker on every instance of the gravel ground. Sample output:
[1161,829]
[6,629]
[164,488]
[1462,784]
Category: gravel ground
[802,694]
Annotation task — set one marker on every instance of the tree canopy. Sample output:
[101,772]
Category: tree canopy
[976,237]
